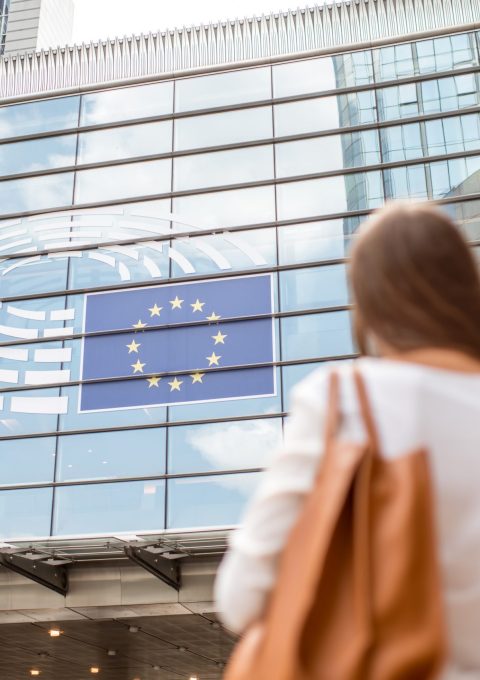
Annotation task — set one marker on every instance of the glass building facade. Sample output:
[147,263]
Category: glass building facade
[174,185]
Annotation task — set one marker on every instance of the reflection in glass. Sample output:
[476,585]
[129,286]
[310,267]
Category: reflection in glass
[25,513]
[313,287]
[37,154]
[41,116]
[467,216]
[449,94]
[209,501]
[226,252]
[127,103]
[451,135]
[123,181]
[316,335]
[222,89]
[322,74]
[227,208]
[223,167]
[36,193]
[406,182]
[109,508]
[27,461]
[109,455]
[315,241]
[400,101]
[125,142]
[322,154]
[223,446]
[402,142]
[455,177]
[328,195]
[231,127]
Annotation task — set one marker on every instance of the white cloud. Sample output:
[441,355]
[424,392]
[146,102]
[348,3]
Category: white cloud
[99,19]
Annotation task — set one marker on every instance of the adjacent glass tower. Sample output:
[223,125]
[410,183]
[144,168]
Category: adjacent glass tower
[170,186]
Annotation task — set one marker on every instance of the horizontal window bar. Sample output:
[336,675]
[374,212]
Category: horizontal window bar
[244,145]
[123,480]
[184,324]
[169,374]
[180,423]
[228,187]
[214,231]
[244,105]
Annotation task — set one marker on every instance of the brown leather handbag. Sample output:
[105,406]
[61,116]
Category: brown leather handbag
[358,594]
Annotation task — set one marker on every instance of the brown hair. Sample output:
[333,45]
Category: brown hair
[415,282]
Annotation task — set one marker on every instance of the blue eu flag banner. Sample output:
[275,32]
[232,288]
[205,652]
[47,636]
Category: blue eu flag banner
[190,347]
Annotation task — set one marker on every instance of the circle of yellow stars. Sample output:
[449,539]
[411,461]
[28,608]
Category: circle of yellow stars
[155,311]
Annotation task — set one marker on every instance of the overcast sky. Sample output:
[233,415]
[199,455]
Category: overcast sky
[100,19]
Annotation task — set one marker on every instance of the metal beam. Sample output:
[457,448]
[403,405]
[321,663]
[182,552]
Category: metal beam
[151,559]
[40,568]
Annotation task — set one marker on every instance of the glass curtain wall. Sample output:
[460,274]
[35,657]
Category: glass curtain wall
[169,195]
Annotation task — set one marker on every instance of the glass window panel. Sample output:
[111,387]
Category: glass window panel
[467,216]
[449,94]
[27,461]
[294,374]
[314,287]
[227,208]
[209,501]
[231,127]
[322,74]
[456,177]
[316,335]
[325,113]
[400,101]
[314,241]
[451,135]
[123,181]
[40,116]
[25,513]
[222,446]
[125,142]
[401,142]
[223,167]
[445,53]
[127,103]
[20,277]
[310,156]
[222,89]
[394,61]
[30,411]
[108,455]
[108,508]
[38,154]
[406,182]
[36,193]
[239,250]
[327,195]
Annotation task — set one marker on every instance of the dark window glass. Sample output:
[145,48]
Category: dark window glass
[40,116]
[222,446]
[127,103]
[37,154]
[209,501]
[25,513]
[26,461]
[36,193]
[109,508]
[133,453]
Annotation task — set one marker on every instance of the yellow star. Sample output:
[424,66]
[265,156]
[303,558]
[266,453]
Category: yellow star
[219,337]
[213,317]
[197,377]
[177,303]
[175,384]
[137,367]
[133,346]
[213,359]
[155,310]
[139,324]
[197,306]
[153,381]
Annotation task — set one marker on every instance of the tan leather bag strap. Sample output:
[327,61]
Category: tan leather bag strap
[366,412]
[332,420]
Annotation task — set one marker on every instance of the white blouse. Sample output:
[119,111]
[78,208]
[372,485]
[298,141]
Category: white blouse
[413,406]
